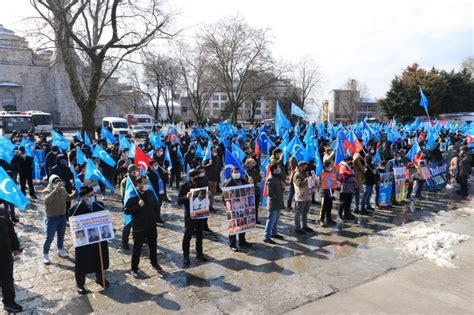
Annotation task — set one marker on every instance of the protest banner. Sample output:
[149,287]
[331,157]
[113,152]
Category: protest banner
[91,228]
[240,205]
[199,203]
[385,186]
[438,178]
[399,174]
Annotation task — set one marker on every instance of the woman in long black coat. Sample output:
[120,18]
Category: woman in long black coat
[88,257]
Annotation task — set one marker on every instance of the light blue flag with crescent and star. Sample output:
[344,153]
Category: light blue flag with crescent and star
[92,172]
[296,111]
[100,153]
[10,192]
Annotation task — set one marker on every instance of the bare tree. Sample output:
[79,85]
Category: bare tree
[307,78]
[355,91]
[236,52]
[95,37]
[260,92]
[197,79]
[171,83]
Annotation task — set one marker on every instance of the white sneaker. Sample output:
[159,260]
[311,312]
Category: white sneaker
[62,253]
[46,260]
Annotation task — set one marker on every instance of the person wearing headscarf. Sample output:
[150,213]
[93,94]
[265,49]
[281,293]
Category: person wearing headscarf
[88,257]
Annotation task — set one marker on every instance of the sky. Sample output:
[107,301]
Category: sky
[370,41]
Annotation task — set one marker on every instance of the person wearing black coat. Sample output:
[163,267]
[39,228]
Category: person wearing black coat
[154,178]
[191,226]
[24,166]
[51,159]
[9,246]
[163,171]
[87,257]
[142,210]
[176,166]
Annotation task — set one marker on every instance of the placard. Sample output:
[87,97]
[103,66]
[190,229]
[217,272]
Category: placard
[385,189]
[399,174]
[91,228]
[329,178]
[199,203]
[240,206]
[438,175]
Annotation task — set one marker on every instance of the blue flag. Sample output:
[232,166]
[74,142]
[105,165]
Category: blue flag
[29,147]
[80,157]
[77,181]
[281,122]
[415,149]
[423,100]
[93,173]
[231,162]
[319,163]
[6,153]
[180,156]
[155,140]
[130,191]
[188,169]
[238,153]
[150,186]
[88,142]
[107,135]
[78,136]
[10,192]
[123,143]
[340,149]
[207,153]
[199,151]
[168,158]
[60,141]
[37,170]
[296,111]
[100,153]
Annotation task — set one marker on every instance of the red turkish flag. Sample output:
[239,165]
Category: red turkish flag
[469,139]
[257,148]
[141,159]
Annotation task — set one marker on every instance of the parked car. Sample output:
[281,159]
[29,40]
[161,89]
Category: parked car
[138,131]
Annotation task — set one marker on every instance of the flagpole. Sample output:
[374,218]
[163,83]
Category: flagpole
[101,265]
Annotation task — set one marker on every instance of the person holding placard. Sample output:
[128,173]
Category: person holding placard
[237,180]
[91,258]
[191,226]
[328,178]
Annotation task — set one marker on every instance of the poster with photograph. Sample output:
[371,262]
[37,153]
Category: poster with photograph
[239,202]
[385,186]
[199,203]
[91,228]
[399,174]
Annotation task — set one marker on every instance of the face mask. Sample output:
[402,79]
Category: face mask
[214,154]
[201,175]
[160,153]
[278,171]
[90,200]
[155,167]
[136,173]
[145,188]
[235,175]
[192,152]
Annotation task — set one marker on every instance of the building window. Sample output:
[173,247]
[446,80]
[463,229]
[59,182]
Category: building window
[215,105]
[267,113]
[223,97]
[258,112]
[215,97]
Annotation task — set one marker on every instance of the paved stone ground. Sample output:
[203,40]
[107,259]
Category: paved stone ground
[264,279]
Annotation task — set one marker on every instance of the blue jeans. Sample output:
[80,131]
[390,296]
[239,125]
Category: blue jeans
[272,223]
[367,194]
[53,225]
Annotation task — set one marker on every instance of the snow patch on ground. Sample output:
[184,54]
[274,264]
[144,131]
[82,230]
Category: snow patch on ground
[425,240]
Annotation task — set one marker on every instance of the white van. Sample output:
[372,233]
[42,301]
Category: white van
[116,125]
[144,120]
